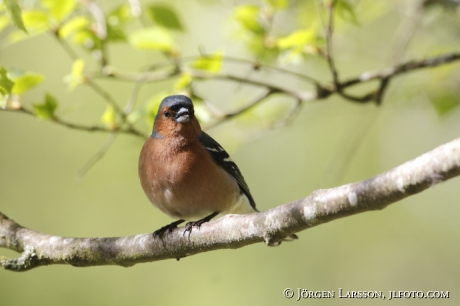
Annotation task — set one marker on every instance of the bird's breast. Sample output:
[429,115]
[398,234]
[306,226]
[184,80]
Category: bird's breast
[185,183]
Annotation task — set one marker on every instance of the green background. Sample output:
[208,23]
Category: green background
[411,245]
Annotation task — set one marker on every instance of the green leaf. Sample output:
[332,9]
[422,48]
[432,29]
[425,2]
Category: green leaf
[77,72]
[183,82]
[445,102]
[248,17]
[297,39]
[25,82]
[121,14]
[45,110]
[345,11]
[115,33]
[211,63]
[35,20]
[278,4]
[15,12]
[77,76]
[60,9]
[87,39]
[6,84]
[115,22]
[109,117]
[164,16]
[156,38]
[73,25]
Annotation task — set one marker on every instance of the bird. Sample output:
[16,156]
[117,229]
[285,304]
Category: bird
[188,175]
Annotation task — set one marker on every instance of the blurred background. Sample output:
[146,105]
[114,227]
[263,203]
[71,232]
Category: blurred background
[411,245]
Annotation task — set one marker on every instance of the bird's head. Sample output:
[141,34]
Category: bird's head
[176,117]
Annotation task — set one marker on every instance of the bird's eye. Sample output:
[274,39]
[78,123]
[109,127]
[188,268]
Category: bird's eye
[167,114]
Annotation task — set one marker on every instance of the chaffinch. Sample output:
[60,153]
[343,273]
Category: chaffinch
[186,174]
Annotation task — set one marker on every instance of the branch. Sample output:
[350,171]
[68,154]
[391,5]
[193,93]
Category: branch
[403,68]
[75,126]
[338,88]
[329,56]
[234,231]
[250,105]
[322,91]
[298,94]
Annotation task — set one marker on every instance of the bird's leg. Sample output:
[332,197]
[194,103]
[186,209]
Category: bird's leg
[189,226]
[169,228]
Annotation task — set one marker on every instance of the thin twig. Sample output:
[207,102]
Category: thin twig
[290,117]
[99,90]
[330,60]
[70,52]
[107,97]
[156,75]
[97,157]
[406,31]
[80,127]
[229,77]
[403,68]
[247,107]
[274,68]
[384,75]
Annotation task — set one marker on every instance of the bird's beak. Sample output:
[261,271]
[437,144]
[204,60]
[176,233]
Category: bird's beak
[182,116]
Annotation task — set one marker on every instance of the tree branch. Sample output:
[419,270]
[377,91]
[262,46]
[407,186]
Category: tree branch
[234,231]
[403,68]
[75,126]
[329,56]
[321,92]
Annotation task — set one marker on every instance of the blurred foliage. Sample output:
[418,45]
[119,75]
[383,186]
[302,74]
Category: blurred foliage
[267,29]
[46,109]
[164,16]
[14,11]
[6,84]
[110,63]
[25,82]
[211,63]
[76,77]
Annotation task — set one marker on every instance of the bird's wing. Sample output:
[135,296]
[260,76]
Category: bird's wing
[221,157]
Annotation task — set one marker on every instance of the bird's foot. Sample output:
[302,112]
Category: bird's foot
[167,228]
[190,225]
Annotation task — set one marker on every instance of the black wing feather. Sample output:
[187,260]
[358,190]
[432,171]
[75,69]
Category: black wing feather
[221,157]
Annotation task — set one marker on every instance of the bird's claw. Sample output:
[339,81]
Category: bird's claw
[189,226]
[167,228]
